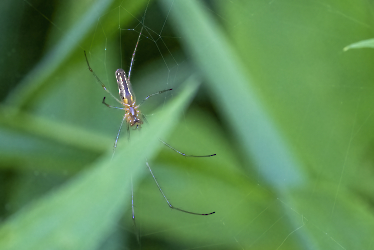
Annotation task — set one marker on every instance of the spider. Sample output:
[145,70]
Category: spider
[134,118]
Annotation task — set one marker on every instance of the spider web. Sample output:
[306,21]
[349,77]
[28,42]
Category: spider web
[319,97]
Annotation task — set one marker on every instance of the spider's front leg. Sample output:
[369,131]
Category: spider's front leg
[110,106]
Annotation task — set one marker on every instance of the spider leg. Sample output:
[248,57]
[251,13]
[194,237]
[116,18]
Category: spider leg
[128,131]
[183,154]
[144,118]
[166,199]
[133,54]
[110,106]
[119,131]
[99,81]
[157,93]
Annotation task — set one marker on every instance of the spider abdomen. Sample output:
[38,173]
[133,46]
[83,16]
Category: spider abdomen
[124,87]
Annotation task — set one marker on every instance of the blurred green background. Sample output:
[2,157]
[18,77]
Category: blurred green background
[265,85]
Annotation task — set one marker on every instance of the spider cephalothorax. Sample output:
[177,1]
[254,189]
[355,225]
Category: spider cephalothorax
[133,115]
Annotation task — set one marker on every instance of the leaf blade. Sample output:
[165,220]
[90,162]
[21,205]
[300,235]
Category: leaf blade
[369,43]
[81,213]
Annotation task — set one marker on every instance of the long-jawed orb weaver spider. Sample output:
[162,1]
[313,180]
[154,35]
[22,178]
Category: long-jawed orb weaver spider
[134,118]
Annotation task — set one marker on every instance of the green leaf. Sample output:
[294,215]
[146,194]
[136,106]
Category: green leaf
[369,43]
[232,87]
[81,213]
[59,54]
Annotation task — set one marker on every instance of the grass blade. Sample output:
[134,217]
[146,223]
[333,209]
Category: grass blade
[80,214]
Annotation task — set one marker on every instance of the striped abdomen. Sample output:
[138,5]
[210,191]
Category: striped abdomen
[124,87]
